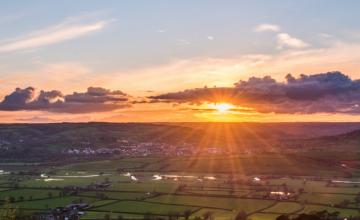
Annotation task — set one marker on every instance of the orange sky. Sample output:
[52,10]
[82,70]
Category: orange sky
[81,46]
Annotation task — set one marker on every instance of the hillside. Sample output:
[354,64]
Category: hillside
[32,140]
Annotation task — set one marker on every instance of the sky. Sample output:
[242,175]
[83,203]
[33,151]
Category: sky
[176,61]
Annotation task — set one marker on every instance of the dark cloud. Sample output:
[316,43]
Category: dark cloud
[331,92]
[99,91]
[97,95]
[18,98]
[95,99]
[198,95]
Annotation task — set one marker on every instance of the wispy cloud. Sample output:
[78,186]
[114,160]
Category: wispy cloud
[267,27]
[285,40]
[67,30]
[10,18]
[183,41]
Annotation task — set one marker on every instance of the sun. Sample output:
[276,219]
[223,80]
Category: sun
[223,107]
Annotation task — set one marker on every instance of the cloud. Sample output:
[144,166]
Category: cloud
[95,99]
[183,41]
[198,95]
[284,40]
[331,92]
[210,37]
[35,119]
[97,95]
[267,28]
[67,30]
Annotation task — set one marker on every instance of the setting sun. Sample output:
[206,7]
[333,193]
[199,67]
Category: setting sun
[222,107]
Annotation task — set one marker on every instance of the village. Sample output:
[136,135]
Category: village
[146,149]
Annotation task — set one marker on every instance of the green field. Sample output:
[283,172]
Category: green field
[221,188]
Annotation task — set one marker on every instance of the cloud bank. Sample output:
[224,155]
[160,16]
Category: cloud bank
[95,99]
[331,92]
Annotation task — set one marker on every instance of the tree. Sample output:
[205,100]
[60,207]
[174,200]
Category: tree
[282,217]
[357,198]
[11,199]
[207,215]
[241,215]
[148,215]
[187,213]
[107,217]
[173,215]
[8,212]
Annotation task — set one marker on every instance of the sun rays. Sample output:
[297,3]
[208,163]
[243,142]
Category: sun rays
[223,108]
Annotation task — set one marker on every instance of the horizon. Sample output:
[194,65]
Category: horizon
[229,61]
[187,122]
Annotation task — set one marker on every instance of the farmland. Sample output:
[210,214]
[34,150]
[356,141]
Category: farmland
[180,171]
[138,188]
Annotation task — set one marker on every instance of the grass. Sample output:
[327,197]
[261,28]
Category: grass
[263,216]
[284,207]
[101,203]
[217,214]
[117,195]
[327,199]
[343,212]
[100,215]
[248,205]
[274,164]
[52,203]
[145,207]
[148,186]
[27,193]
[104,165]
[133,199]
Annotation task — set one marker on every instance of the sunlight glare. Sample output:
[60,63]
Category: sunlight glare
[223,107]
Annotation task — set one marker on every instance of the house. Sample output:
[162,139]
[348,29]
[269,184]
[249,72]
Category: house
[44,216]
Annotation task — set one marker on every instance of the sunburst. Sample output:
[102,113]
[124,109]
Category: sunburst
[223,108]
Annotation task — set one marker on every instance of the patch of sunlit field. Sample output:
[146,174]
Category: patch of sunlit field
[288,207]
[248,205]
[262,164]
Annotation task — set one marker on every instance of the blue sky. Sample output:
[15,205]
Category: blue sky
[162,45]
[134,36]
